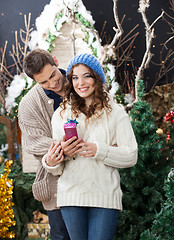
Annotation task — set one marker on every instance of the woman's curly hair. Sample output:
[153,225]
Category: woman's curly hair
[100,100]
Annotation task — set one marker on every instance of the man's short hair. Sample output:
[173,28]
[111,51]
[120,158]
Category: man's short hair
[35,60]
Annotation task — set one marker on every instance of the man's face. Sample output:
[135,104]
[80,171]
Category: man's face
[50,78]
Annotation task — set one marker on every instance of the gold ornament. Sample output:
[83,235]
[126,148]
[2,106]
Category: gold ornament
[159,131]
[1,159]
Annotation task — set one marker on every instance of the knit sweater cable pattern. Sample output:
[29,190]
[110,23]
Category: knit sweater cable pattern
[95,181]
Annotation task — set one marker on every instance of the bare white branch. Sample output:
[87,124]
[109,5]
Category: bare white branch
[3,54]
[119,29]
[109,49]
[143,5]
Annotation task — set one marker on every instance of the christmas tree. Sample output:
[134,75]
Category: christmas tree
[6,211]
[142,185]
[163,223]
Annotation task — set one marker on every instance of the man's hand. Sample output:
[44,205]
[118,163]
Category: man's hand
[54,155]
[71,146]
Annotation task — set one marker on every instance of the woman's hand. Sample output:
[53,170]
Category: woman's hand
[70,146]
[54,155]
[87,149]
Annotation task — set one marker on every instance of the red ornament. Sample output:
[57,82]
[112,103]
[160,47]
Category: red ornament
[168,117]
[173,120]
[168,137]
[55,60]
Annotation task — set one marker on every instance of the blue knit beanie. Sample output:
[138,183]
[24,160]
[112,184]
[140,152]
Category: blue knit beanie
[90,61]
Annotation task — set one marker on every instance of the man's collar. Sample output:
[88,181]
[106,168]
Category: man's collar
[62,71]
[48,92]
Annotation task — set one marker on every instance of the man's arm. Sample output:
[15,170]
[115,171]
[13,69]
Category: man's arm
[35,124]
[35,141]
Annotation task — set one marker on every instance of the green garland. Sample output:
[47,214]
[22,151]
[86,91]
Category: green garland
[83,20]
[50,38]
[58,16]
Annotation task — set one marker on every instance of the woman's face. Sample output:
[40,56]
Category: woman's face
[83,83]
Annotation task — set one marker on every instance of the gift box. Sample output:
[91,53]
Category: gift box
[38,230]
[70,128]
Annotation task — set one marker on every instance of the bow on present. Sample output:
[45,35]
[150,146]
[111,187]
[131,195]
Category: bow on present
[71,121]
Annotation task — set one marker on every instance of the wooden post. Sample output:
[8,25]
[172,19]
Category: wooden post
[9,135]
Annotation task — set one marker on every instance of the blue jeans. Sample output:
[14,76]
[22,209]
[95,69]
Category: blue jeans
[58,229]
[90,223]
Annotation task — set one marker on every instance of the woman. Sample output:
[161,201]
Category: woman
[89,193]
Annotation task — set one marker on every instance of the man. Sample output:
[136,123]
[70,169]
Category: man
[34,114]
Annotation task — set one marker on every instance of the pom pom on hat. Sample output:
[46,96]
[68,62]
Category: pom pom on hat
[90,61]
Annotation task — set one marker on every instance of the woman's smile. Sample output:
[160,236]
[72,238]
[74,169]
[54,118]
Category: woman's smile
[84,89]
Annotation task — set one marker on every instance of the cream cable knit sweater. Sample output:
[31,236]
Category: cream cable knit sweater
[95,182]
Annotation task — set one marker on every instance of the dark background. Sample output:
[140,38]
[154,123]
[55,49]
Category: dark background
[12,19]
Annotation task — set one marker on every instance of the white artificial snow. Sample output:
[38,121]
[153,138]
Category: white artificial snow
[143,4]
[91,37]
[128,98]
[46,21]
[43,44]
[34,40]
[86,14]
[114,88]
[4,147]
[171,173]
[59,24]
[15,89]
[111,71]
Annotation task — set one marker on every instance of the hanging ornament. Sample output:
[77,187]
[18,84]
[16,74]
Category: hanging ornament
[55,60]
[173,120]
[1,159]
[159,131]
[168,117]
[168,137]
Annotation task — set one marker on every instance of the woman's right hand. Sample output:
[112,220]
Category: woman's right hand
[55,155]
[70,146]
